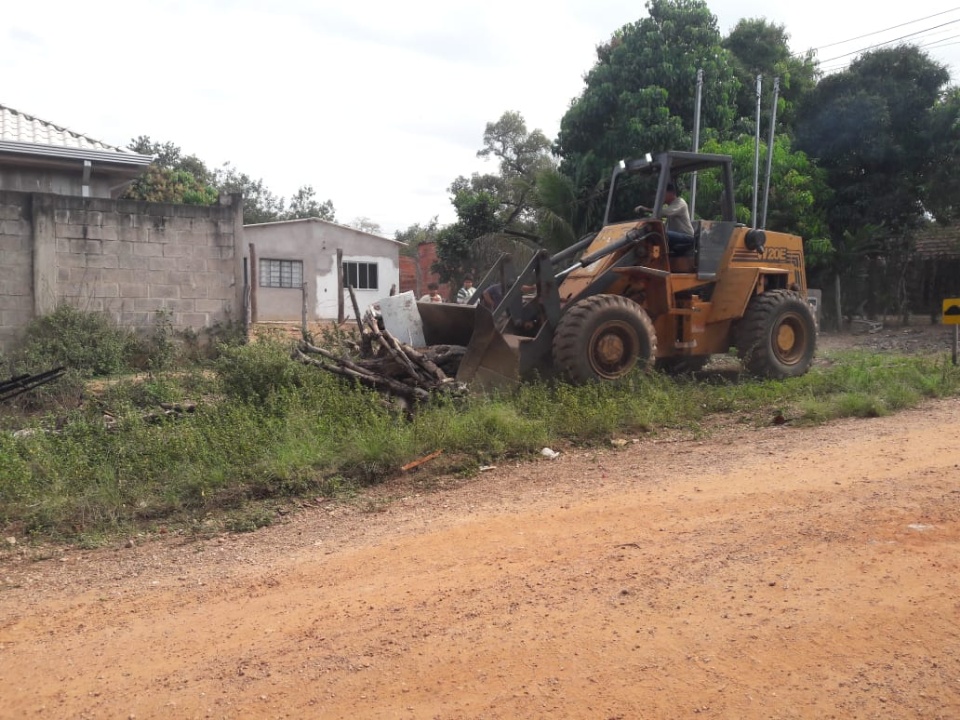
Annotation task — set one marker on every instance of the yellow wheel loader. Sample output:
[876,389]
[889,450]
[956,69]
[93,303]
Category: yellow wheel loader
[628,301]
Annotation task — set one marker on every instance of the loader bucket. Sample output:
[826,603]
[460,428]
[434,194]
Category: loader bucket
[491,361]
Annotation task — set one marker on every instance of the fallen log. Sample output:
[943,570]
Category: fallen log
[404,373]
[439,361]
[385,338]
[426,363]
[421,461]
[378,382]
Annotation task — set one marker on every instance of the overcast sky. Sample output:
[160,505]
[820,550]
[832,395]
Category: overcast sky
[377,104]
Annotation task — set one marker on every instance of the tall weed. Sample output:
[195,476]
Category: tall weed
[266,426]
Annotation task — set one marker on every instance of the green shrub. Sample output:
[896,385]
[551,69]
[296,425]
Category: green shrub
[89,343]
[161,345]
[255,372]
[16,477]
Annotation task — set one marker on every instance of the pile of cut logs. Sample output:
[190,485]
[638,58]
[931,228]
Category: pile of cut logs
[382,362]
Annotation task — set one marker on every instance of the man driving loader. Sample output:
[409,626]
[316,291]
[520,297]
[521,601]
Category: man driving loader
[679,227]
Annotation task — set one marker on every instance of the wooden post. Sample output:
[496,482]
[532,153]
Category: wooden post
[339,286]
[951,316]
[836,286]
[303,310]
[254,282]
[356,307]
[246,296]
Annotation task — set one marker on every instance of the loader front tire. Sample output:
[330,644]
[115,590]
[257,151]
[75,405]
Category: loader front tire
[777,336]
[603,337]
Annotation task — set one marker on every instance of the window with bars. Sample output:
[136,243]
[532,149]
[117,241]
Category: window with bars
[360,276]
[281,273]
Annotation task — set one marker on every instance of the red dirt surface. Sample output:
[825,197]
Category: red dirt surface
[778,572]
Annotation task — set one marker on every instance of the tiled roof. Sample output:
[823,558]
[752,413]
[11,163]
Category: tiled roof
[939,241]
[16,126]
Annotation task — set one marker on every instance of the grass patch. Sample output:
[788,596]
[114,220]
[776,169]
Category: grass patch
[265,427]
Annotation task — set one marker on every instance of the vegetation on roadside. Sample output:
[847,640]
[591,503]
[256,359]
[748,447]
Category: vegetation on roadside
[252,424]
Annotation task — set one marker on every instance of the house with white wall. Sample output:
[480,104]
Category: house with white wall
[291,254]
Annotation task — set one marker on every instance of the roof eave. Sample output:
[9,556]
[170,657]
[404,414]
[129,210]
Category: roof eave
[126,159]
[327,222]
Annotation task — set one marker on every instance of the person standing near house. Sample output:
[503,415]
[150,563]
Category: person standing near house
[433,293]
[466,292]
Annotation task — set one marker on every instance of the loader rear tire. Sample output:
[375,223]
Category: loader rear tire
[603,337]
[777,336]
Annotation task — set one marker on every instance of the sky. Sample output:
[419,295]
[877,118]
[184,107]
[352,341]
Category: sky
[377,104]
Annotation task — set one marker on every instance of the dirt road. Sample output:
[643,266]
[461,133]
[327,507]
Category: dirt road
[762,573]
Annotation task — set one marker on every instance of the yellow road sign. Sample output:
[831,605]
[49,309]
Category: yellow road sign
[951,311]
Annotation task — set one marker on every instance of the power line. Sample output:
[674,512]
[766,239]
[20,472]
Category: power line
[893,27]
[933,34]
[888,42]
[934,44]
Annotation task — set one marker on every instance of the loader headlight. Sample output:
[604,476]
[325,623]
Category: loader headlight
[755,240]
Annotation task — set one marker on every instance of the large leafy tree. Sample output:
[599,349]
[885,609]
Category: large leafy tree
[797,191]
[490,203]
[869,127]
[640,95]
[759,47]
[941,188]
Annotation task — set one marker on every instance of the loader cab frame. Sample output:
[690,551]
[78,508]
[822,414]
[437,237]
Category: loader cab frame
[665,167]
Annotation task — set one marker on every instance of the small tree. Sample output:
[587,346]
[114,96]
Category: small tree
[304,204]
[260,205]
[367,225]
[416,234]
[172,177]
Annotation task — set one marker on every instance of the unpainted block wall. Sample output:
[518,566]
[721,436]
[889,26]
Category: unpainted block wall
[125,258]
[16,267]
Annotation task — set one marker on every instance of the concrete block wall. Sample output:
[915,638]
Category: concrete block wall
[128,259]
[16,267]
